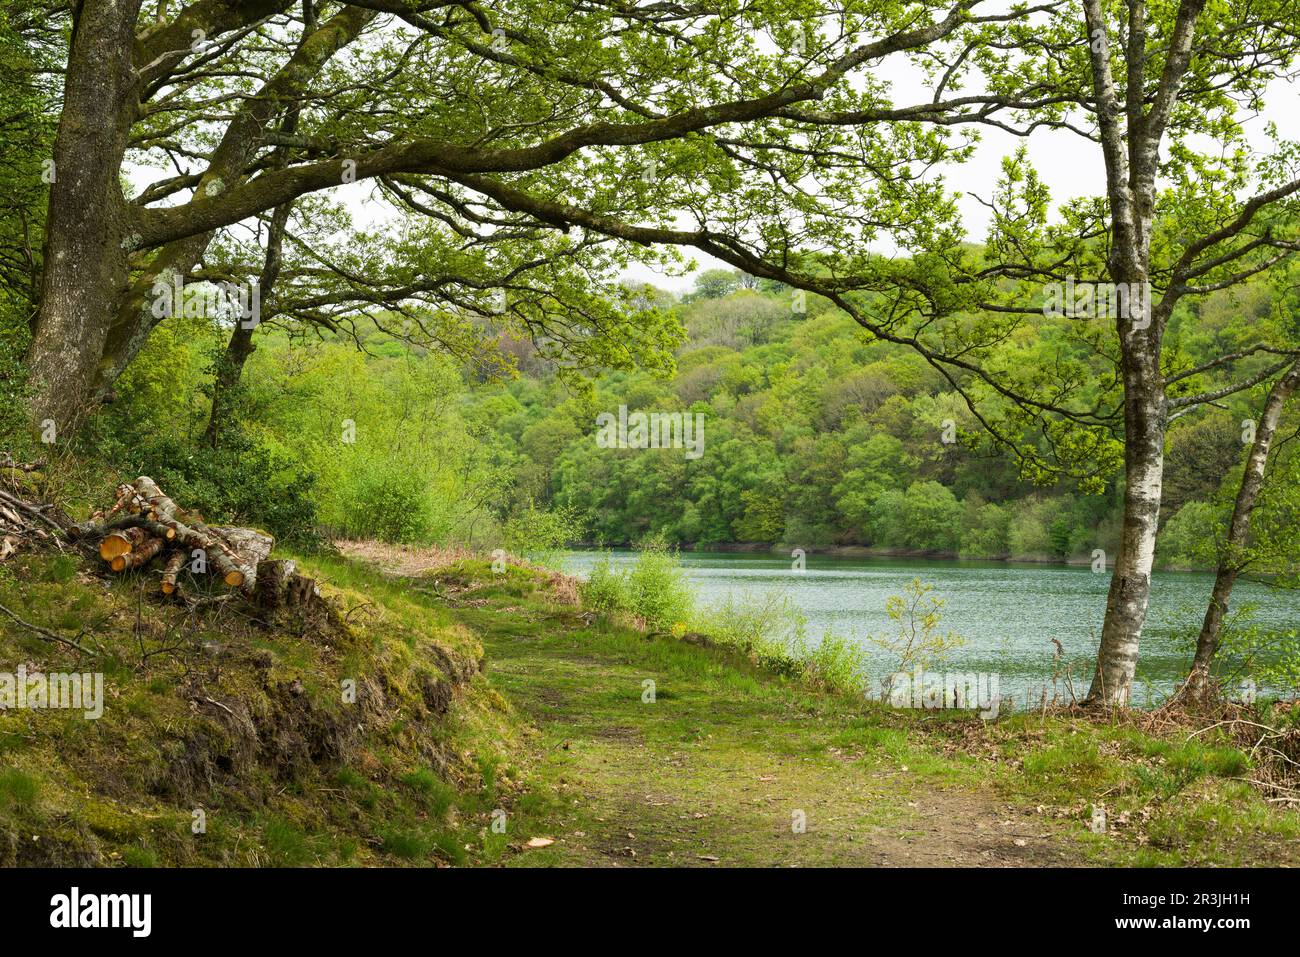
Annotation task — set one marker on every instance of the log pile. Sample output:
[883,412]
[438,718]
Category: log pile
[144,528]
[144,524]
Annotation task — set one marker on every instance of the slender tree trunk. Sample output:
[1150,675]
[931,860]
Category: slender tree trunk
[1199,687]
[87,244]
[1130,585]
[231,367]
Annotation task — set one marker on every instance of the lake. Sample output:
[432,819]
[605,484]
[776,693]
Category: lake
[1007,613]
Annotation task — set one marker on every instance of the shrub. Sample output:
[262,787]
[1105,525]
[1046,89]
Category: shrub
[656,586]
[772,632]
[240,483]
[838,663]
[390,505]
[917,613]
[755,624]
[1029,535]
[985,526]
[605,589]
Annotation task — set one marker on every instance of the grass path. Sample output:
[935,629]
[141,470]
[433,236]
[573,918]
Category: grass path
[722,763]
[728,764]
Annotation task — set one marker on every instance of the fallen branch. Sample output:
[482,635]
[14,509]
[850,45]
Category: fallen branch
[46,634]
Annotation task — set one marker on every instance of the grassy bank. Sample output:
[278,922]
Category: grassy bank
[360,733]
[497,721]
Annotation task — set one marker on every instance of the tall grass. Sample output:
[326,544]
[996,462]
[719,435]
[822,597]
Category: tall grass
[654,589]
[772,632]
[766,627]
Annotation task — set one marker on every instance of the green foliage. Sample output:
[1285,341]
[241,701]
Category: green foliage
[653,589]
[387,504]
[15,430]
[656,586]
[814,436]
[838,662]
[770,630]
[605,588]
[1250,655]
[392,456]
[242,483]
[766,626]
[917,614]
[29,59]
[1188,539]
[542,534]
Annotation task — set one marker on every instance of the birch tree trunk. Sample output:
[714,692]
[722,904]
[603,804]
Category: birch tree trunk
[1130,585]
[1131,130]
[1231,560]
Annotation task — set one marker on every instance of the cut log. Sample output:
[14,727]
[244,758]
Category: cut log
[121,542]
[148,522]
[158,506]
[139,556]
[175,562]
[238,560]
[124,494]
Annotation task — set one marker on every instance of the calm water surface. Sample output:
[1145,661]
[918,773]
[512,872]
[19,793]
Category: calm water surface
[1008,613]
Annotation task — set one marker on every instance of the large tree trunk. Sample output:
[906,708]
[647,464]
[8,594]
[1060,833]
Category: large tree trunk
[86,245]
[1130,585]
[1231,561]
[93,322]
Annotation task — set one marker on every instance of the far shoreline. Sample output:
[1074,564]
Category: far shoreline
[873,551]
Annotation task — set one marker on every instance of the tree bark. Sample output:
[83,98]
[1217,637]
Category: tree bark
[238,563]
[1199,687]
[175,562]
[273,579]
[86,244]
[1145,422]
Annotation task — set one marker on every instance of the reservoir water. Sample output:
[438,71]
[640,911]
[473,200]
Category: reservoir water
[1007,613]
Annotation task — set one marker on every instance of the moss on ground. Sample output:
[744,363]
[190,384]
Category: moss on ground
[365,734]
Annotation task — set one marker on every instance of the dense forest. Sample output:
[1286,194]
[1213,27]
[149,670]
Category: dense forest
[815,436]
